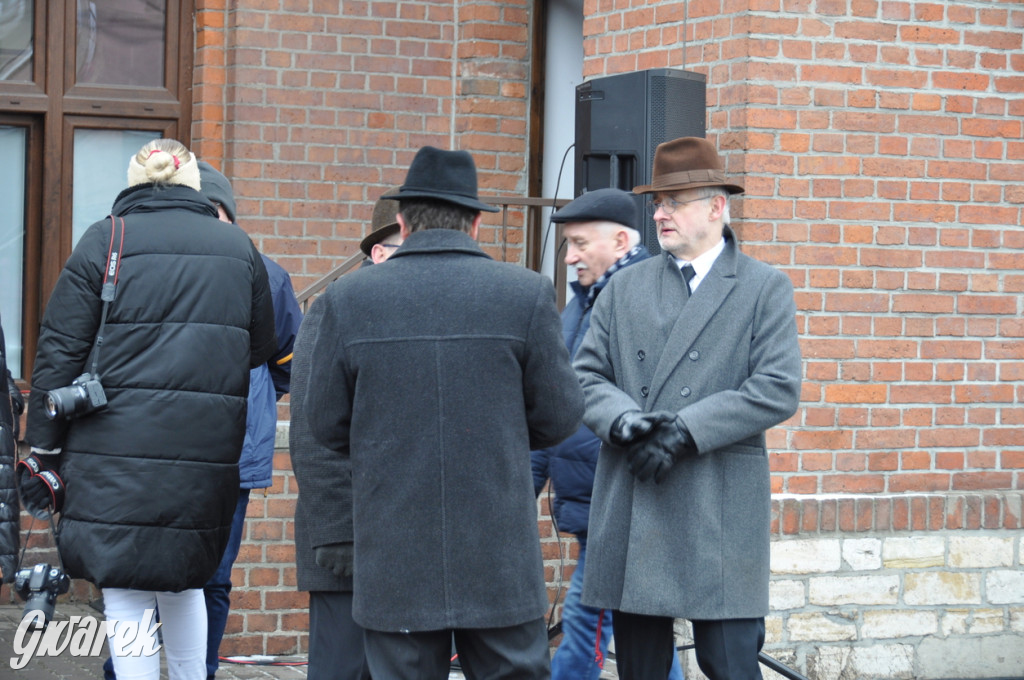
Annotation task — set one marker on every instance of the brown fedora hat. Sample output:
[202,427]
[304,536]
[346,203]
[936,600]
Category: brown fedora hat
[384,222]
[687,163]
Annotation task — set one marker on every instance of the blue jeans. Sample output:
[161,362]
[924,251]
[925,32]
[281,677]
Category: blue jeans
[575,658]
[218,589]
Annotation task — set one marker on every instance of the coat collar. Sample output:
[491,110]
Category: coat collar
[430,241]
[699,309]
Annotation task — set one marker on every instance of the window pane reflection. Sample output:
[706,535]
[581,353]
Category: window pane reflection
[13,142]
[17,26]
[121,42]
[100,173]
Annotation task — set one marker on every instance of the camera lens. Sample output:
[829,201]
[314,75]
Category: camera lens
[54,405]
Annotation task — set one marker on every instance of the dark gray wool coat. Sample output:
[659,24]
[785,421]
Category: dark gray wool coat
[437,373]
[323,511]
[727,361]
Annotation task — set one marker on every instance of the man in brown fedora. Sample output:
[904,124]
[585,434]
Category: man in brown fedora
[435,375]
[690,358]
[325,510]
[384,237]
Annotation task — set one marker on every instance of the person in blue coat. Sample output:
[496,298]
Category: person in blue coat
[602,237]
[267,384]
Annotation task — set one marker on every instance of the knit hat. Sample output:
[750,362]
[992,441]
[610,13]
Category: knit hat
[165,161]
[217,188]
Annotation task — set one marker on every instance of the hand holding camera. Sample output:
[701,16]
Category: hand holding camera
[40,485]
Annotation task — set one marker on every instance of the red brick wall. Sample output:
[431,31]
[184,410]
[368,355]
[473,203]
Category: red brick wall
[881,145]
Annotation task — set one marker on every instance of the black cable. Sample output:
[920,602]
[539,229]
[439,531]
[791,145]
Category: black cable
[554,207]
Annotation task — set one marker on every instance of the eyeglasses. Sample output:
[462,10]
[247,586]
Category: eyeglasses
[389,245]
[670,205]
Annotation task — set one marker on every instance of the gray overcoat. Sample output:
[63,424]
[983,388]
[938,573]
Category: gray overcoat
[727,361]
[437,373]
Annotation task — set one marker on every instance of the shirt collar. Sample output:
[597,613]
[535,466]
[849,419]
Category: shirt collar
[702,263]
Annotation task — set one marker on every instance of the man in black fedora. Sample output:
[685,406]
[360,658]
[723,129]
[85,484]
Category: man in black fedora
[435,375]
[690,358]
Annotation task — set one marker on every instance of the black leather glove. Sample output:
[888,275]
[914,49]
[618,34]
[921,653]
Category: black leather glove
[632,426]
[656,455]
[336,557]
[42,489]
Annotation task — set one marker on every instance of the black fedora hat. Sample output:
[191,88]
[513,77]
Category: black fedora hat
[443,176]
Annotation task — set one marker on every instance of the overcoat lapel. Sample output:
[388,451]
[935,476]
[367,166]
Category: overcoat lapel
[696,313]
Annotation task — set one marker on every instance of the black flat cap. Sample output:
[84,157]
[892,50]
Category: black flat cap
[604,205]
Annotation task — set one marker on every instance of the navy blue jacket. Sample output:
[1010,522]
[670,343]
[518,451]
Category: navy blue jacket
[268,383]
[571,464]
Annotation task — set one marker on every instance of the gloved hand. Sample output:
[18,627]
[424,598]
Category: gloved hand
[337,557]
[633,426]
[656,455]
[40,485]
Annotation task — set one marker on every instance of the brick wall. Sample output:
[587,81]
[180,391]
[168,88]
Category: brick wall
[880,143]
[314,109]
[881,148]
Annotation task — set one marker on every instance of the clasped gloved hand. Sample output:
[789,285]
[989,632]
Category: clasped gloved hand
[655,455]
[41,487]
[632,426]
[338,558]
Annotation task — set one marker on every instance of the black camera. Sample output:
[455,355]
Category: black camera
[39,586]
[83,396]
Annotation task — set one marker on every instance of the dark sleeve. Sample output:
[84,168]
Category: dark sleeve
[287,318]
[553,398]
[324,476]
[262,336]
[67,332]
[539,460]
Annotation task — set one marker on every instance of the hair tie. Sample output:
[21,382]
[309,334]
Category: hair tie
[177,163]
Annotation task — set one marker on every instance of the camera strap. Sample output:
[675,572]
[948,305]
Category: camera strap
[28,535]
[110,274]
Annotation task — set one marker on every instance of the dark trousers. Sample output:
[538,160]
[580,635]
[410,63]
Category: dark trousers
[726,649]
[513,653]
[335,640]
[217,590]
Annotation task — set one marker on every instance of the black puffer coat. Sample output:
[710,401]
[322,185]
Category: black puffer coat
[9,520]
[152,481]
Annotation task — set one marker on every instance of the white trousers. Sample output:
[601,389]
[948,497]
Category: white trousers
[183,628]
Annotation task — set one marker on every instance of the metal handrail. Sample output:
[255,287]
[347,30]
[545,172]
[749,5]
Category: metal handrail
[532,231]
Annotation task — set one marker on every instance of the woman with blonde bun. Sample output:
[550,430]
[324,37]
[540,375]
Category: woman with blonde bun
[151,478]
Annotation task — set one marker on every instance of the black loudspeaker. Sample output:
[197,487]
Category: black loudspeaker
[621,120]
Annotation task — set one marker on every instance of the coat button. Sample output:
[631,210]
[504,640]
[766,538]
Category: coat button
[644,391]
[641,355]
[685,391]
[694,355]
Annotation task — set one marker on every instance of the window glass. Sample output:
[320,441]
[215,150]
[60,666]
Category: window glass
[120,42]
[100,173]
[17,26]
[13,142]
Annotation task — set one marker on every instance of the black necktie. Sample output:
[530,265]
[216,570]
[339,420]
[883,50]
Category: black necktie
[688,274]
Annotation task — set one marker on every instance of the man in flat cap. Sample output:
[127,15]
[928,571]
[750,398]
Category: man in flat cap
[691,356]
[435,375]
[601,235]
[384,237]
